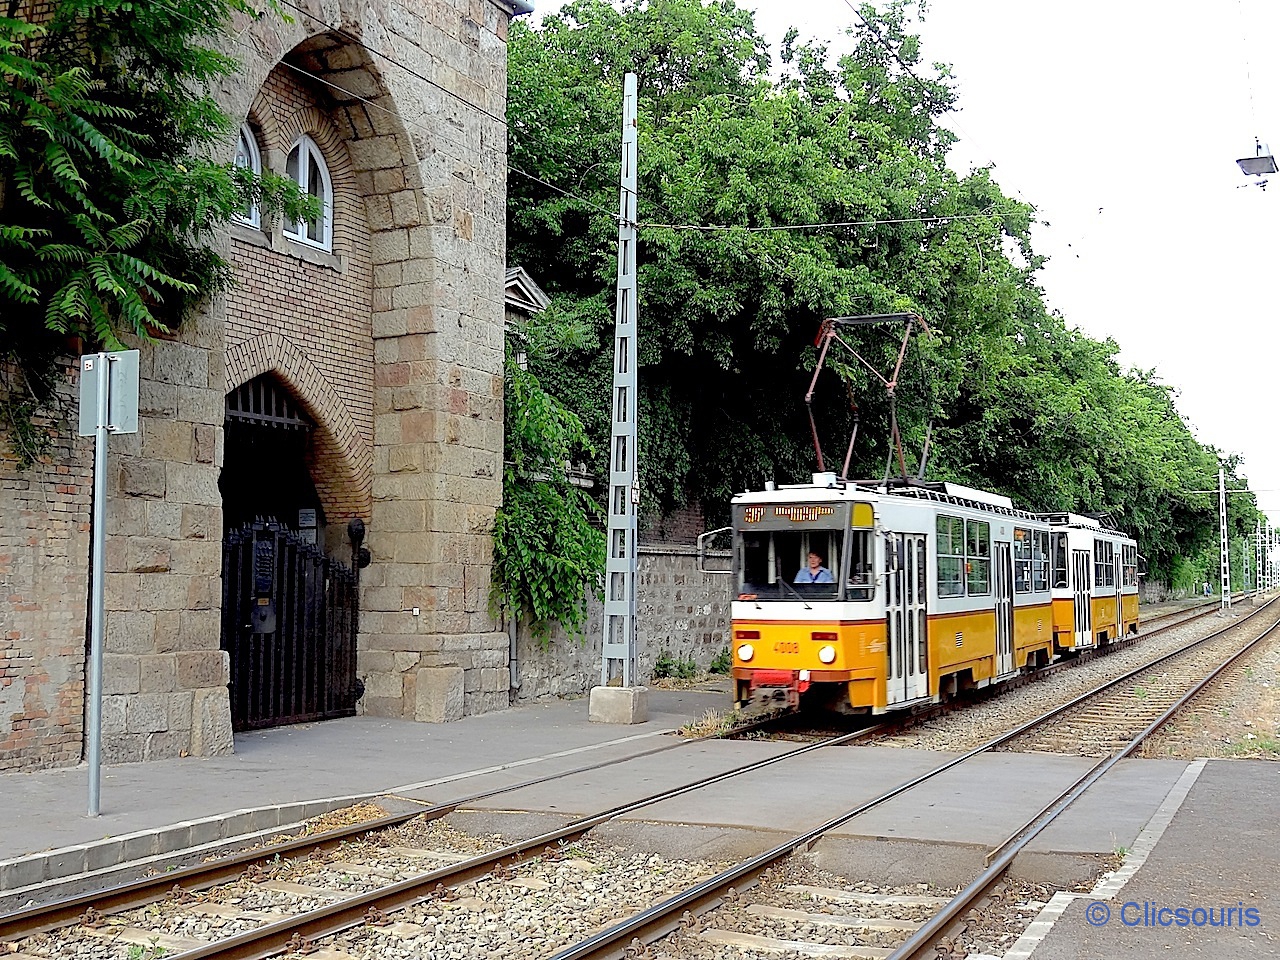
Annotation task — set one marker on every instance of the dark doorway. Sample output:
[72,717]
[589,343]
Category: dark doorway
[289,612]
[264,471]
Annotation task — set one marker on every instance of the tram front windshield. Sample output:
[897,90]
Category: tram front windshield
[776,565]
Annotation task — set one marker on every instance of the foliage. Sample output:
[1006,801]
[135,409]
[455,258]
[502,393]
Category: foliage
[1018,401]
[108,196]
[722,663]
[548,551]
[680,667]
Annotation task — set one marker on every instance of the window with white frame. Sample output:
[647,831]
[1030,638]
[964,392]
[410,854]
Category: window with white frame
[305,166]
[248,158]
[950,556]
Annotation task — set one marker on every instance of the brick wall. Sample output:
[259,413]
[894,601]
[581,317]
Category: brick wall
[305,314]
[44,557]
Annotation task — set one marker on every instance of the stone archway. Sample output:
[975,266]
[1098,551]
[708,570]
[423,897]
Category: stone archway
[340,460]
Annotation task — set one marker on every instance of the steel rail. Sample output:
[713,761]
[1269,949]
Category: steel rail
[138,893]
[932,712]
[659,919]
[334,918]
[922,939]
[202,876]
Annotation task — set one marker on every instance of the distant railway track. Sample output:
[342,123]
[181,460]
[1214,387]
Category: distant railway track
[793,725]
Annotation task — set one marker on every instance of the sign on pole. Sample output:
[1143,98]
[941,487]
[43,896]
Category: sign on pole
[108,404]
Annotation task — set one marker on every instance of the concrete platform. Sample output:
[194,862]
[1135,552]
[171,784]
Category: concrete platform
[1219,851]
[280,776]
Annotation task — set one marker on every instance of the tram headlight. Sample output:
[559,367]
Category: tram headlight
[827,654]
[746,652]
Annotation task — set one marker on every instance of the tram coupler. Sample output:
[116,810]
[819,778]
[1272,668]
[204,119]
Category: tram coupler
[769,691]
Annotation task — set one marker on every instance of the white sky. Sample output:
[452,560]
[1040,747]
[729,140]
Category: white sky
[1138,110]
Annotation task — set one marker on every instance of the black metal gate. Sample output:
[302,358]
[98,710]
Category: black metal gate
[289,621]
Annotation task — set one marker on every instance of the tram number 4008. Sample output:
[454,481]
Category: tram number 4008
[786,646]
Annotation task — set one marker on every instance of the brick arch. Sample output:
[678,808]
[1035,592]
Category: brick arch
[263,121]
[341,464]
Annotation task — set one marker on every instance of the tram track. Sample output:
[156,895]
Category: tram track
[306,878]
[686,908]
[391,878]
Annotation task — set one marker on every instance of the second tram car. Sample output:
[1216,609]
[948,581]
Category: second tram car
[871,597]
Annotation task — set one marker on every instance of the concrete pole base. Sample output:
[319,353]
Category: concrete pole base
[619,705]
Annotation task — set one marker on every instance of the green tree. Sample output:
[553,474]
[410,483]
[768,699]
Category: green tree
[109,198]
[1018,402]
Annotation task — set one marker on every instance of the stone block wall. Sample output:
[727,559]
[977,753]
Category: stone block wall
[678,609]
[164,675]
[44,563]
[395,342]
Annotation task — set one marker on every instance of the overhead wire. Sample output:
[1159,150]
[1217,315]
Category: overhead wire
[241,38]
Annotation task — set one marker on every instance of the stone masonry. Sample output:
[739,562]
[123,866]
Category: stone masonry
[392,342]
[679,611]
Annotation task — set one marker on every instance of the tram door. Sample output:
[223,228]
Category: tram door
[1080,580]
[907,620]
[1004,610]
[1118,567]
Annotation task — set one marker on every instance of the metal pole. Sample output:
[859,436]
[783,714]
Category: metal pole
[1225,602]
[619,642]
[98,598]
[1257,556]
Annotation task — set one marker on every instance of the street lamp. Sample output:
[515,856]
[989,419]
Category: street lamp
[1261,164]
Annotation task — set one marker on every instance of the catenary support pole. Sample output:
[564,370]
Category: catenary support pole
[98,598]
[618,656]
[1225,601]
[1257,557]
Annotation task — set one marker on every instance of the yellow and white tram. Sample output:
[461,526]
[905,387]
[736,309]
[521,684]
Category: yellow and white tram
[917,591]
[1095,582]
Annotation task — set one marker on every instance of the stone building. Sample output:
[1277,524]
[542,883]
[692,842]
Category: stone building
[354,373]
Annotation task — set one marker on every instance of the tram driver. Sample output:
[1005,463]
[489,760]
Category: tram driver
[814,571]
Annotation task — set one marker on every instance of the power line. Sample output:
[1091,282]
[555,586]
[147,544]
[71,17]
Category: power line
[686,227]
[717,227]
[352,38]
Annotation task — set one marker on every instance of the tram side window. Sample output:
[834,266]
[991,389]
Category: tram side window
[1021,560]
[860,584]
[950,556]
[1130,557]
[977,556]
[1059,561]
[753,577]
[1040,560]
[1104,563]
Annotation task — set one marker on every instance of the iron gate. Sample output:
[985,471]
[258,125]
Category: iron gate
[289,621]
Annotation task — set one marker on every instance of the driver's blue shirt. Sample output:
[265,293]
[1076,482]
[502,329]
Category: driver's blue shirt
[822,575]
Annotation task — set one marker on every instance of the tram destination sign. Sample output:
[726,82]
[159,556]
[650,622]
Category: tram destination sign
[787,516]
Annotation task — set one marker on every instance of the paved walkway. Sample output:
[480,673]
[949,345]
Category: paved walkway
[1221,851]
[357,756]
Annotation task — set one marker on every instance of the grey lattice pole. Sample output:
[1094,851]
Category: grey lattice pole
[1225,602]
[618,653]
[1257,557]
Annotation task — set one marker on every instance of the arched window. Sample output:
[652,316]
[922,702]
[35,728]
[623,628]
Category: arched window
[248,158]
[305,167]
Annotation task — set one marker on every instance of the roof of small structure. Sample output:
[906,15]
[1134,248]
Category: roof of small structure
[523,294]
